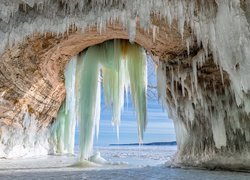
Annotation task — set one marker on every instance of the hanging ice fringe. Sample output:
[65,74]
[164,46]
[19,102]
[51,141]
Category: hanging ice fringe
[137,68]
[121,65]
[64,128]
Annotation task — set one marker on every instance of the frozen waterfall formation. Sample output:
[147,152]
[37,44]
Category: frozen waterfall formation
[120,67]
[202,51]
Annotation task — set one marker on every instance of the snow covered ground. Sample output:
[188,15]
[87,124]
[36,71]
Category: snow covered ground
[130,162]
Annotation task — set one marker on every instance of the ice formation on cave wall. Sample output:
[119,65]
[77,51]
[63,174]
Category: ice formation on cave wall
[211,129]
[119,66]
[25,141]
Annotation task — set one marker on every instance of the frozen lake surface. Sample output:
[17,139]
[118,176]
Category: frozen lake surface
[131,162]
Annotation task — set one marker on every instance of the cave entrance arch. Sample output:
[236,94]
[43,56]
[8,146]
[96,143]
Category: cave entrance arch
[45,56]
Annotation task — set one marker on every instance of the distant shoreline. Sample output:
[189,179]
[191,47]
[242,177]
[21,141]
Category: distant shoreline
[172,143]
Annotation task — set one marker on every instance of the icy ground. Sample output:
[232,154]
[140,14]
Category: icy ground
[138,156]
[146,163]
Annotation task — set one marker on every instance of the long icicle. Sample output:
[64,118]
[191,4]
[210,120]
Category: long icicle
[64,128]
[70,107]
[87,95]
[58,130]
[137,68]
[114,81]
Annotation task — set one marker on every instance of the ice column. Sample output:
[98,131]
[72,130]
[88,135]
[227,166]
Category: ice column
[87,94]
[137,68]
[120,66]
[64,128]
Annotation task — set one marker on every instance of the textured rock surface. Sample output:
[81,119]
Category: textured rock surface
[212,131]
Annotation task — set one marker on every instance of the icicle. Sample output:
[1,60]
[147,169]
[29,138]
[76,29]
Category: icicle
[132,29]
[173,89]
[161,83]
[222,76]
[188,45]
[87,95]
[126,79]
[98,108]
[58,130]
[195,79]
[114,80]
[64,128]
[118,83]
[70,107]
[137,68]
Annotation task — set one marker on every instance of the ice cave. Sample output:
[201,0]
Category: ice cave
[56,55]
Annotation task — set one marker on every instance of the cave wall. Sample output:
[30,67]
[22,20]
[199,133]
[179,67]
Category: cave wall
[211,129]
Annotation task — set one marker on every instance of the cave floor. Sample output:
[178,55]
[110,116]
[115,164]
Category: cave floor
[128,163]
